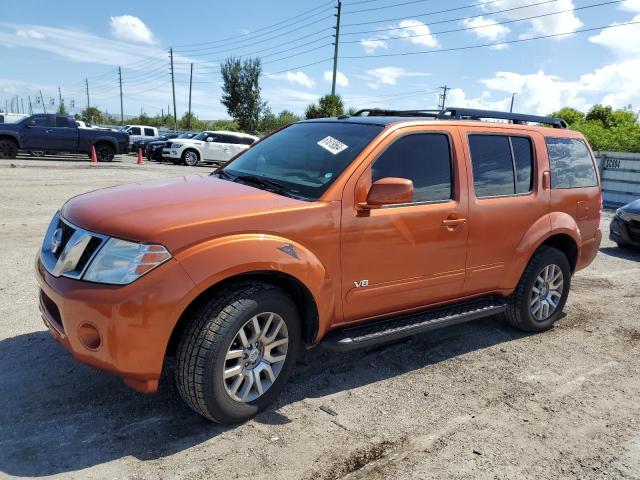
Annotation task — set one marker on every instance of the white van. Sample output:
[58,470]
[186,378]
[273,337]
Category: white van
[140,132]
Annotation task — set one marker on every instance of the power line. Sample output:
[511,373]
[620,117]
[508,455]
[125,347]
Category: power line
[383,7]
[504,42]
[505,22]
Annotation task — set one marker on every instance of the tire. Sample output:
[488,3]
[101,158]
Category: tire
[190,158]
[37,153]
[8,148]
[214,330]
[104,152]
[526,307]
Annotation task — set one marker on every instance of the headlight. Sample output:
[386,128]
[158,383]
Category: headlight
[623,215]
[176,145]
[120,262]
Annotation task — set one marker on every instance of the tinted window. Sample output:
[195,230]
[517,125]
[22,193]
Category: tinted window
[571,163]
[492,165]
[41,120]
[425,159]
[149,132]
[306,157]
[62,122]
[134,131]
[523,159]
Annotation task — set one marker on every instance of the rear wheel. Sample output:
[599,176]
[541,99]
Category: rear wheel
[104,152]
[37,153]
[238,351]
[190,158]
[8,148]
[540,296]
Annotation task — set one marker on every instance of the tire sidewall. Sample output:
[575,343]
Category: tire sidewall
[218,401]
[108,153]
[556,257]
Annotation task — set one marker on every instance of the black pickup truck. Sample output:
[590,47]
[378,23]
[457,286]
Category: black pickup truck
[59,133]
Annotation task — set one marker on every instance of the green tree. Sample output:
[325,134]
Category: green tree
[195,124]
[92,115]
[270,122]
[227,125]
[61,109]
[328,106]
[600,113]
[569,115]
[241,91]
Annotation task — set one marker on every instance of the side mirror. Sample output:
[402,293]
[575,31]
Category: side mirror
[388,191]
[31,124]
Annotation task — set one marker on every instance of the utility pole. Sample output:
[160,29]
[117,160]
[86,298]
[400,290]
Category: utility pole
[30,106]
[44,109]
[22,102]
[335,49]
[190,83]
[443,97]
[6,105]
[60,95]
[173,89]
[86,81]
[513,95]
[121,105]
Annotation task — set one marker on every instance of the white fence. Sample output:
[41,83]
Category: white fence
[620,174]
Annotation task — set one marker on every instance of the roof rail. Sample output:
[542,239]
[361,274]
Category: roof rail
[517,118]
[453,113]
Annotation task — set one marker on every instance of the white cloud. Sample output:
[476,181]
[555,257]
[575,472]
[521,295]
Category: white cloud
[416,32]
[485,28]
[283,98]
[630,5]
[299,78]
[28,33]
[566,22]
[132,29]
[390,75]
[623,40]
[341,78]
[372,44]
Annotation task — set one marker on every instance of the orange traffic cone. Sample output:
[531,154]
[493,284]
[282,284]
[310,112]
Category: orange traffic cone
[139,162]
[94,157]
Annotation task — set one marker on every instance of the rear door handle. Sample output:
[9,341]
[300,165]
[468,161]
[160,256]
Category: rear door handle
[454,222]
[48,131]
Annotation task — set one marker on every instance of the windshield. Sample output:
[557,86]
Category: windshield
[305,158]
[185,135]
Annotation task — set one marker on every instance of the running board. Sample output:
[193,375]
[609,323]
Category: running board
[368,334]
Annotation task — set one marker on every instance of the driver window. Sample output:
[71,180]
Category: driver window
[423,158]
[41,120]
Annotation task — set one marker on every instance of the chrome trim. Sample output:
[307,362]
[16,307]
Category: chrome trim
[66,264]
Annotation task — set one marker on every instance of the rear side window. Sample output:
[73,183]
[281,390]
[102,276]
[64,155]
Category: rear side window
[134,131]
[149,132]
[62,122]
[502,165]
[423,158]
[244,141]
[571,163]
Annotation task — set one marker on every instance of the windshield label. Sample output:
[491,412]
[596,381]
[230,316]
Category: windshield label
[332,145]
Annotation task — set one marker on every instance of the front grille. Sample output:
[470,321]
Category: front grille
[67,232]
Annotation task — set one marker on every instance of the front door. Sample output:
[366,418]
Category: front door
[412,255]
[35,137]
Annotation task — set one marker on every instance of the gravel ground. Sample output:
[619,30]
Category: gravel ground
[473,401]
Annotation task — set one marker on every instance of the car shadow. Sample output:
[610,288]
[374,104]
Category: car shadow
[620,252]
[58,416]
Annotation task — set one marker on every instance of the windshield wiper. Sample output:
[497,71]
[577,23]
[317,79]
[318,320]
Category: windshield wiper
[224,174]
[257,180]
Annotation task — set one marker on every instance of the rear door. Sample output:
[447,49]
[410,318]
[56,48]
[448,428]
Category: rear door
[213,149]
[63,136]
[506,198]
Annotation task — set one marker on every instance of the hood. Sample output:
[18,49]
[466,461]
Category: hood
[176,211]
[633,207]
[186,140]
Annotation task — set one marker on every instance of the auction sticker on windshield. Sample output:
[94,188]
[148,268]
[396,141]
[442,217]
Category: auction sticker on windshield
[332,145]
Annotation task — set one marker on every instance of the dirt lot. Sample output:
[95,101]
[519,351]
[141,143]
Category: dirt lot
[474,401]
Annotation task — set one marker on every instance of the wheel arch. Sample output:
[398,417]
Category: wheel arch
[299,292]
[12,138]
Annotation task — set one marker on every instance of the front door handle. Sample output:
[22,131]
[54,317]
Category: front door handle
[48,131]
[454,222]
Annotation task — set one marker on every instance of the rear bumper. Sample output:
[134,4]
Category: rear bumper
[589,250]
[121,329]
[624,233]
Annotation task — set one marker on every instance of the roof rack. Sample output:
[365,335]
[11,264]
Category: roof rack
[453,113]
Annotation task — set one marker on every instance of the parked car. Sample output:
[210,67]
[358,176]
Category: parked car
[139,132]
[153,149]
[142,143]
[343,232]
[11,117]
[625,226]
[208,147]
[59,133]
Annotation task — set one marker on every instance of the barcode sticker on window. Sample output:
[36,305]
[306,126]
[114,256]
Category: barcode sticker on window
[332,145]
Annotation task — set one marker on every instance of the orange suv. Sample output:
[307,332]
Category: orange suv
[345,232]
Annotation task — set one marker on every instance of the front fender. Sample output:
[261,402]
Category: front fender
[553,223]
[219,259]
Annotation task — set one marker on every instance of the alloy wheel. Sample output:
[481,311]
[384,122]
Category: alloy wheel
[546,292]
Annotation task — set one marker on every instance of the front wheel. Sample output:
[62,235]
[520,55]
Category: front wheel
[104,152]
[37,153]
[8,148]
[539,298]
[237,352]
[190,158]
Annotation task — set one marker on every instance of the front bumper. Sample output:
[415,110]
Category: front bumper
[122,329]
[171,153]
[625,233]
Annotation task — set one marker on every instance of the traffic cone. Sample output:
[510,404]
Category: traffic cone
[139,162]
[94,157]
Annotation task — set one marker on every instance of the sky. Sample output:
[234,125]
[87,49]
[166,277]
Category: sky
[392,53]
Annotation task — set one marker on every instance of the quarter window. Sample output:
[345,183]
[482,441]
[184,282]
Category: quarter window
[502,165]
[423,158]
[62,122]
[149,132]
[571,163]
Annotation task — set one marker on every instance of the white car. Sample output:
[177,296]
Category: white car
[140,132]
[208,147]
